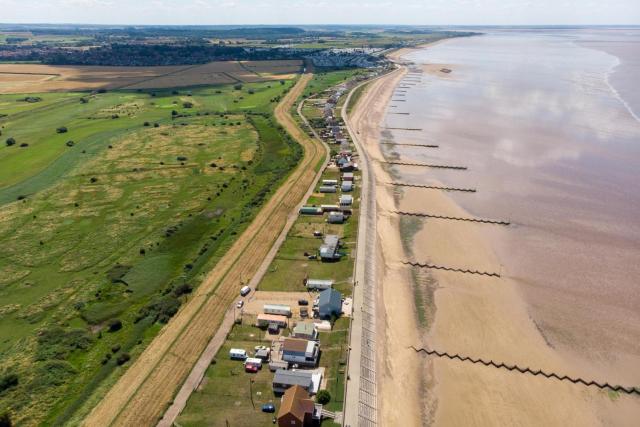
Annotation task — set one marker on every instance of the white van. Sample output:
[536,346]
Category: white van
[245,290]
[237,354]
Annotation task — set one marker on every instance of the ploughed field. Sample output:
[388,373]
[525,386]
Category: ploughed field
[113,206]
[20,78]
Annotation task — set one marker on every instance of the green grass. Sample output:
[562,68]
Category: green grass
[119,196]
[226,392]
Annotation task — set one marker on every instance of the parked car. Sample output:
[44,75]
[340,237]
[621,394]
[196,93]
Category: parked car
[251,368]
[312,257]
[269,407]
[304,312]
[245,290]
[303,302]
[240,304]
[317,234]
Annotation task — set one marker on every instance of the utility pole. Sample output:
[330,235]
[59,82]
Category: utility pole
[251,392]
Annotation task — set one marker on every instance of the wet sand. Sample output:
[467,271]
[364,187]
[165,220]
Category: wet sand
[478,316]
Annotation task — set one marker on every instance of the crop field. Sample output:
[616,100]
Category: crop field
[31,78]
[106,236]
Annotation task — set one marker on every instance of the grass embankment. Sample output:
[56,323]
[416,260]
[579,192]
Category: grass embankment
[224,395]
[121,225]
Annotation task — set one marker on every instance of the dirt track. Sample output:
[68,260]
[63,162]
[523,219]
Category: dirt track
[141,395]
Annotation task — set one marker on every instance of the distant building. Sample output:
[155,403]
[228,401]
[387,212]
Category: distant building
[305,330]
[329,249]
[329,303]
[297,409]
[302,352]
[319,284]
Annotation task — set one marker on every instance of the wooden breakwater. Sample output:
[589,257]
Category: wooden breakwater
[427,165]
[433,187]
[528,371]
[454,218]
[452,269]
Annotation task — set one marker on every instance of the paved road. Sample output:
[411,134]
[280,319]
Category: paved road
[361,395]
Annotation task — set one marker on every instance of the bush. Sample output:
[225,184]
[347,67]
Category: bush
[10,142]
[62,129]
[323,397]
[187,104]
[5,420]
[174,113]
[183,289]
[123,358]
[156,125]
[115,325]
[115,348]
[24,144]
[70,143]
[146,124]
[8,381]
[237,86]
[58,343]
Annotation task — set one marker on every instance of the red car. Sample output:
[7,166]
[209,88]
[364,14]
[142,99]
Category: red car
[251,368]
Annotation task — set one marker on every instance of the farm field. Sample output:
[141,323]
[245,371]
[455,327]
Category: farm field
[31,78]
[105,238]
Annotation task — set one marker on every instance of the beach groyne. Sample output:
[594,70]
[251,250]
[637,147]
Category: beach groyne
[528,371]
[453,269]
[454,218]
[432,187]
[426,165]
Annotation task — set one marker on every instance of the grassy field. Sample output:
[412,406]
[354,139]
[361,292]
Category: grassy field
[118,228]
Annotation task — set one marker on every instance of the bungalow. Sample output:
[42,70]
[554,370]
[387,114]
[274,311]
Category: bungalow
[346,200]
[297,409]
[329,248]
[329,303]
[305,330]
[319,284]
[302,352]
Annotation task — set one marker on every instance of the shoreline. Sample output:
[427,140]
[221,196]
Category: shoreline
[477,317]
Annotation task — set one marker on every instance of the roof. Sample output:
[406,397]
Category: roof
[296,402]
[328,282]
[272,317]
[276,307]
[330,296]
[346,198]
[295,344]
[331,239]
[304,328]
[301,378]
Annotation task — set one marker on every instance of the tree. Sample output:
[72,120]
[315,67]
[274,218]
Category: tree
[10,142]
[123,358]
[187,104]
[8,381]
[323,397]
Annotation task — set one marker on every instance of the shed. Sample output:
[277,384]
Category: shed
[320,284]
[329,303]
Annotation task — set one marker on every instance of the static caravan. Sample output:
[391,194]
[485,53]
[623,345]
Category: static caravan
[329,182]
[346,200]
[281,309]
[335,218]
[347,176]
[330,208]
[328,189]
[237,354]
[347,186]
[310,210]
[263,320]
[319,284]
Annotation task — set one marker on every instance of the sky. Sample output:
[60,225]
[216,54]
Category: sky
[239,12]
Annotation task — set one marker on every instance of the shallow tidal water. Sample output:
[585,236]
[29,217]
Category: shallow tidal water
[547,123]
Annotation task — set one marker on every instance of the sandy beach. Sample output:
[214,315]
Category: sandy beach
[472,315]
